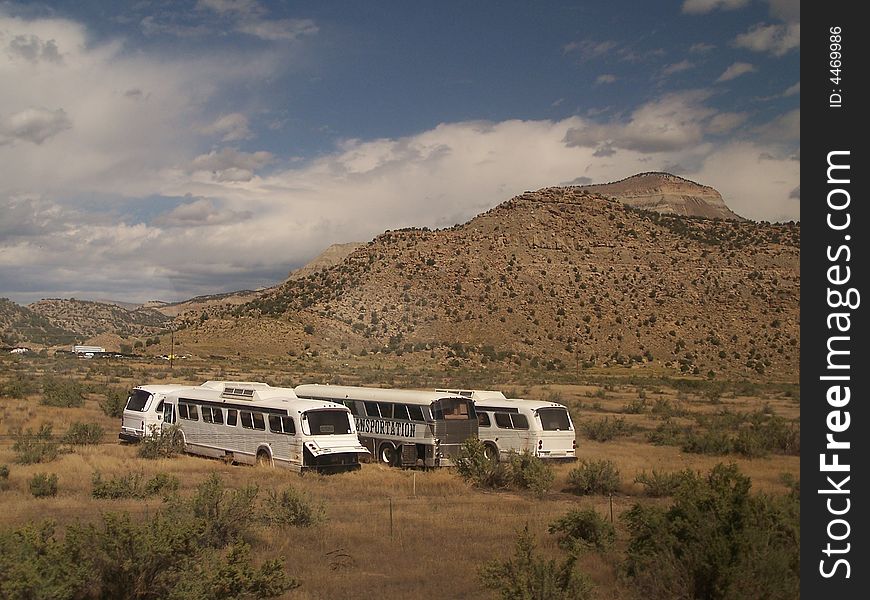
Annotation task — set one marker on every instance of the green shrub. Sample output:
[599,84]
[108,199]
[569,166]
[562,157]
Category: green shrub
[18,387]
[667,433]
[162,442]
[716,542]
[659,483]
[583,529]
[607,429]
[473,466]
[39,447]
[113,402]
[708,442]
[292,508]
[43,485]
[594,477]
[162,483]
[83,434]
[63,393]
[528,472]
[4,472]
[131,485]
[635,407]
[226,514]
[527,577]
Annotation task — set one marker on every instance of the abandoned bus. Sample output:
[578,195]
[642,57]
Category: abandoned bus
[254,423]
[514,425]
[143,412]
[404,427]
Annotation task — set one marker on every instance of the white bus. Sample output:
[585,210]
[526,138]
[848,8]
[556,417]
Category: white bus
[544,429]
[254,423]
[404,427]
[143,412]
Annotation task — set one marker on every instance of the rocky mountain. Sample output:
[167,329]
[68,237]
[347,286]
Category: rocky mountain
[666,194]
[559,278]
[89,319]
[21,326]
[329,257]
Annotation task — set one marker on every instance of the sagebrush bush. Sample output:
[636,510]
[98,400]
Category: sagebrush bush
[162,443]
[582,529]
[662,483]
[527,577]
[716,542]
[292,508]
[4,477]
[667,433]
[708,442]
[38,447]
[473,466]
[18,387]
[594,477]
[62,393]
[43,485]
[606,429]
[226,514]
[83,434]
[528,472]
[131,485]
[113,402]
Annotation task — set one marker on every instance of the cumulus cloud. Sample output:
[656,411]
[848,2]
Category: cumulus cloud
[726,122]
[683,65]
[251,18]
[589,49]
[201,212]
[605,79]
[786,10]
[35,125]
[777,39]
[231,127]
[34,49]
[784,128]
[229,164]
[735,70]
[697,7]
[793,90]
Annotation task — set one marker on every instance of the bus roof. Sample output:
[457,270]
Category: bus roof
[515,403]
[349,392]
[476,395]
[255,394]
[162,388]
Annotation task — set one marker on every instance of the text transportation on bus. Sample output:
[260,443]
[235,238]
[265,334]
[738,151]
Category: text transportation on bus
[251,422]
[508,425]
[143,412]
[404,427]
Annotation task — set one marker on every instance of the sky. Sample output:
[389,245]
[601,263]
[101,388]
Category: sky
[160,150]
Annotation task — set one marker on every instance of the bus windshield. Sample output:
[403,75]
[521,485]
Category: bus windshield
[138,400]
[453,409]
[554,419]
[328,422]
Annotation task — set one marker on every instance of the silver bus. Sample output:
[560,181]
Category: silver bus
[254,423]
[404,427]
[143,412]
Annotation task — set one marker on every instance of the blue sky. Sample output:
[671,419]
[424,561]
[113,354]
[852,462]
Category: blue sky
[161,150]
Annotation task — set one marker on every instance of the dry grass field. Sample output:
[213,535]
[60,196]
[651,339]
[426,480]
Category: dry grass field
[389,533]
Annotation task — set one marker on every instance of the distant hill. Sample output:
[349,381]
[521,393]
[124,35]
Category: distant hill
[561,277]
[88,319]
[666,194]
[20,325]
[329,257]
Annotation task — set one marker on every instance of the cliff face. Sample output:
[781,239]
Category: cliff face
[666,194]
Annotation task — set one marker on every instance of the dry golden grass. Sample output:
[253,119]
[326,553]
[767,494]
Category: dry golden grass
[441,530]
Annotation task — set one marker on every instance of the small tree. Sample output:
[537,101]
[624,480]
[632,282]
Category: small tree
[527,577]
[583,529]
[43,485]
[594,477]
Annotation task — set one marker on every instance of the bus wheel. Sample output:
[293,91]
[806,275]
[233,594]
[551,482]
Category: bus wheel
[387,454]
[490,452]
[263,459]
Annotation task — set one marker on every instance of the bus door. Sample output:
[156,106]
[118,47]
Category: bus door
[168,415]
[512,429]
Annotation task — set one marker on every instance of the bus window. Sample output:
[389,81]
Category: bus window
[168,414]
[416,412]
[386,410]
[483,420]
[372,409]
[400,411]
[520,421]
[354,408]
[194,413]
[458,409]
[554,419]
[503,420]
[289,425]
[159,408]
[232,417]
[328,422]
[247,420]
[138,400]
[275,424]
[259,421]
[218,414]
[206,414]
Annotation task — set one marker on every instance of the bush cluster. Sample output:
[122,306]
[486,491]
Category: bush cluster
[162,443]
[594,477]
[606,429]
[521,471]
[292,508]
[583,529]
[62,393]
[113,402]
[132,485]
[43,485]
[83,434]
[39,447]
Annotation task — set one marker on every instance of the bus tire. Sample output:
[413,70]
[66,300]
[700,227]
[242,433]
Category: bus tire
[490,452]
[387,454]
[263,458]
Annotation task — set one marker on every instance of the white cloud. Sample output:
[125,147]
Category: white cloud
[793,90]
[35,125]
[725,122]
[605,79]
[698,7]
[775,39]
[229,164]
[735,70]
[786,10]
[683,65]
[589,49]
[784,128]
[231,127]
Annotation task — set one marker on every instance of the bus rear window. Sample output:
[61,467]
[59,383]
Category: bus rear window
[138,400]
[453,409]
[328,422]
[554,419]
